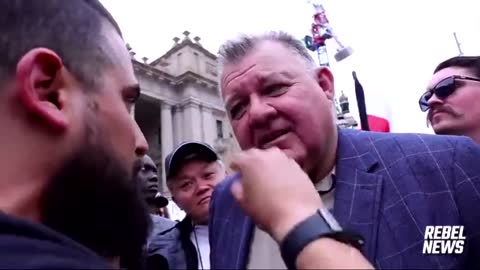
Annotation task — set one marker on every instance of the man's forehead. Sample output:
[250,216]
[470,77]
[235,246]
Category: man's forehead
[256,79]
[447,72]
[194,166]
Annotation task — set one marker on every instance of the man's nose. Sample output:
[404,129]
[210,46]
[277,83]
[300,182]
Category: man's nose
[260,113]
[141,144]
[153,178]
[434,100]
[202,188]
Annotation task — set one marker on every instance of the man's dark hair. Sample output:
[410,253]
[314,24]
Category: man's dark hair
[471,63]
[70,28]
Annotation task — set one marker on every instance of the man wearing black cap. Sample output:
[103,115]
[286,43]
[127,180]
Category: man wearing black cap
[192,170]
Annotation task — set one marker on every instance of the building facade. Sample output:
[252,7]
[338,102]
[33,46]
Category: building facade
[180,101]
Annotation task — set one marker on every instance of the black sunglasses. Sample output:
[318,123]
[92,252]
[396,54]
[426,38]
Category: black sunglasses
[442,90]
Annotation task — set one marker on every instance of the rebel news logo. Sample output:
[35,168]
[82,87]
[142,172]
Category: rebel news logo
[444,240]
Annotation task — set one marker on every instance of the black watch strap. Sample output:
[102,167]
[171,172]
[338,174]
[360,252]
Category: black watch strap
[309,230]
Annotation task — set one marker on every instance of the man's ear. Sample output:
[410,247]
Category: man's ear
[324,77]
[40,80]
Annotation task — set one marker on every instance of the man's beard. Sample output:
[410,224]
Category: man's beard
[95,201]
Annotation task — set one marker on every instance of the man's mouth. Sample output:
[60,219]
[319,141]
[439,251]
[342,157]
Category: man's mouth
[152,188]
[270,138]
[437,112]
[202,201]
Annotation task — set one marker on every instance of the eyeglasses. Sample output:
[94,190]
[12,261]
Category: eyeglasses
[442,90]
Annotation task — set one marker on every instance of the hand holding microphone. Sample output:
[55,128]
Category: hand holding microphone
[273,190]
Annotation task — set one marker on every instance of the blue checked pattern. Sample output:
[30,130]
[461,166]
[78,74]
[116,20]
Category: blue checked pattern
[389,188]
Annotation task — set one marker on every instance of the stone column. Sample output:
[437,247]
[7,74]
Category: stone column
[192,126]
[166,138]
[208,126]
[177,126]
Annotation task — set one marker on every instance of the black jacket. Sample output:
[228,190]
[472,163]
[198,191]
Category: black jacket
[173,247]
[26,245]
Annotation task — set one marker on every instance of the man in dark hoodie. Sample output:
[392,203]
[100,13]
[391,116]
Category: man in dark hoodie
[68,144]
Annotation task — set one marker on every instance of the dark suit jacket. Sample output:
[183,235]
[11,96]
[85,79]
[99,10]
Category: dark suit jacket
[389,188]
[172,248]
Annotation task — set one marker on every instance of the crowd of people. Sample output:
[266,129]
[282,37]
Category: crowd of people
[304,193]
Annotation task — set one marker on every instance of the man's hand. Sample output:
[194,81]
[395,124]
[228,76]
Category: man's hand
[273,190]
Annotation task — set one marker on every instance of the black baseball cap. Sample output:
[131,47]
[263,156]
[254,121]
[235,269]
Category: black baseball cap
[185,152]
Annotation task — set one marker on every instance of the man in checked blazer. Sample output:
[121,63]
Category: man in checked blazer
[386,187]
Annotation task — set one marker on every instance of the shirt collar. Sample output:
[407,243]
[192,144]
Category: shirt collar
[326,182]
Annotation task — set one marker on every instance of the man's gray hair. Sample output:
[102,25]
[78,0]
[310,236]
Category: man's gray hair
[233,51]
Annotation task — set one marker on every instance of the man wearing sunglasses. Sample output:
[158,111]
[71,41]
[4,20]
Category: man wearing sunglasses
[453,96]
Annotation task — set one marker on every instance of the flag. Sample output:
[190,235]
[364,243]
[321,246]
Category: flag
[380,124]
[374,114]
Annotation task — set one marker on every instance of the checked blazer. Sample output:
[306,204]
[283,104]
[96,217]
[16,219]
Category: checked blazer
[389,188]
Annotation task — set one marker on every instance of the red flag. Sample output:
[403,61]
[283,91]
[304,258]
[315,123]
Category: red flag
[379,124]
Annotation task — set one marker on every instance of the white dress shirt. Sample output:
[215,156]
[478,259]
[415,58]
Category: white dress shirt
[265,252]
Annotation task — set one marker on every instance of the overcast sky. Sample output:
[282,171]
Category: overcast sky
[397,43]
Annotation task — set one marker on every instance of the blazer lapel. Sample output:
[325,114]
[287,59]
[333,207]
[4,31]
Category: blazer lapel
[245,231]
[237,231]
[359,189]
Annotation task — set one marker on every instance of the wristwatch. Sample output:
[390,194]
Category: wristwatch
[321,224]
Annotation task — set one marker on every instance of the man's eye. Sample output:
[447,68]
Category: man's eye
[237,111]
[185,186]
[275,90]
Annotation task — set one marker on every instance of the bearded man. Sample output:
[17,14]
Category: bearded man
[69,146]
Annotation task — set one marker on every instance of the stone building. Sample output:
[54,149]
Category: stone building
[180,101]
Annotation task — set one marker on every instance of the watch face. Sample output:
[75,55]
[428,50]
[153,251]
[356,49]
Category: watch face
[330,219]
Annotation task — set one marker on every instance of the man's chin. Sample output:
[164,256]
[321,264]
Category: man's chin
[202,218]
[150,195]
[445,128]
[93,201]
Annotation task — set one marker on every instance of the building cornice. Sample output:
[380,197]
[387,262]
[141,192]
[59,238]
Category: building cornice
[184,43]
[195,102]
[191,77]
[158,97]
[152,72]
[179,105]
[185,78]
